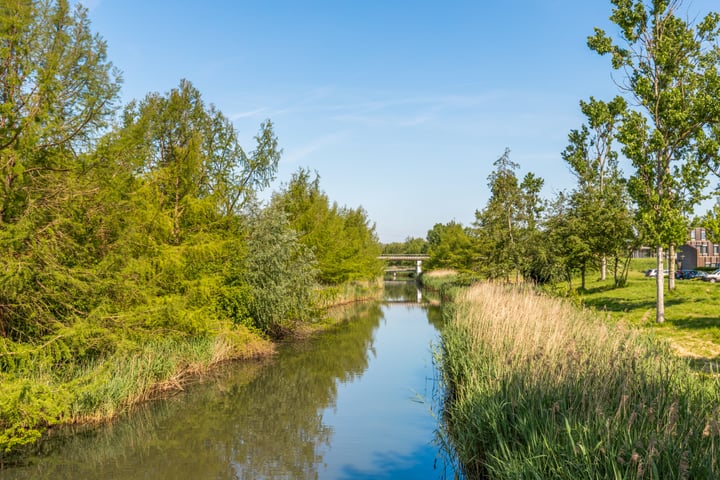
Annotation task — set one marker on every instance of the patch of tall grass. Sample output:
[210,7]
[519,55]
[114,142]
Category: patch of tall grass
[538,388]
[348,292]
[447,283]
[36,397]
[92,372]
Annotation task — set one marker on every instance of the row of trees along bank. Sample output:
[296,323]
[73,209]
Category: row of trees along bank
[666,123]
[133,246]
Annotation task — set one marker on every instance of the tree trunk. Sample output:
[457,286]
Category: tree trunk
[660,306]
[616,264]
[176,212]
[671,267]
[582,278]
[603,268]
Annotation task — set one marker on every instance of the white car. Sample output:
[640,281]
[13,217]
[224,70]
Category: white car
[653,273]
[712,277]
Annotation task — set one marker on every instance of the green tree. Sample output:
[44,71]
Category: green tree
[280,271]
[452,246]
[342,239]
[599,202]
[190,154]
[56,92]
[509,223]
[711,222]
[358,259]
[411,245]
[673,82]
[566,236]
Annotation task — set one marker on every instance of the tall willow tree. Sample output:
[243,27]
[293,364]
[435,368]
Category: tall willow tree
[281,272]
[672,84]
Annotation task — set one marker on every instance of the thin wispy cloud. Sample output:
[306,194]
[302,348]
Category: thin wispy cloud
[373,108]
[295,155]
[407,111]
[250,113]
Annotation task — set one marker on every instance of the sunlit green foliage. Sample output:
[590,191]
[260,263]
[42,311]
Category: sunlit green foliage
[130,256]
[670,135]
[451,246]
[510,222]
[593,225]
[280,271]
[410,246]
[191,159]
[56,90]
[342,239]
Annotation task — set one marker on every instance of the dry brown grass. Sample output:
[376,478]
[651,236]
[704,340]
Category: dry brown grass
[440,273]
[538,332]
[542,387]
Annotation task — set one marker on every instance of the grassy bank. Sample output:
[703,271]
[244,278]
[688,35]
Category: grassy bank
[691,314]
[40,392]
[541,389]
[349,292]
[446,283]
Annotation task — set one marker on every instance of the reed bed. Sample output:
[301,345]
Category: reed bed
[538,388]
[349,292]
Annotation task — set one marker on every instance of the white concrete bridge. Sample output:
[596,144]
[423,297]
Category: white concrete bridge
[405,257]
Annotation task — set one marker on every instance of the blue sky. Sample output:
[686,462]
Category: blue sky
[400,106]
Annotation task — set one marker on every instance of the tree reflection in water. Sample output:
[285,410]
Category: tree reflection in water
[250,421]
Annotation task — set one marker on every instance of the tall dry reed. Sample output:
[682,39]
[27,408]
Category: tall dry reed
[540,389]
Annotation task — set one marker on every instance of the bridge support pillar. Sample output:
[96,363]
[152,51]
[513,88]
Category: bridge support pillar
[418,268]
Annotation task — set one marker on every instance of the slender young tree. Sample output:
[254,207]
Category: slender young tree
[672,84]
[599,201]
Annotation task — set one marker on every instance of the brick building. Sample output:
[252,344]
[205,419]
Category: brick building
[698,251]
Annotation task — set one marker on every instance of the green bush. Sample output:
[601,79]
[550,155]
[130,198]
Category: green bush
[27,408]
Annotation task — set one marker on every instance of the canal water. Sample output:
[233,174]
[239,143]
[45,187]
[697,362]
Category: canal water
[356,402]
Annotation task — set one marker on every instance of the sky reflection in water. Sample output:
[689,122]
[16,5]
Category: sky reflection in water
[352,403]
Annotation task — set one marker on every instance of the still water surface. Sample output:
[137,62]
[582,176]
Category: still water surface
[355,402]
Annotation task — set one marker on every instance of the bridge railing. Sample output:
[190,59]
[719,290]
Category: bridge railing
[403,256]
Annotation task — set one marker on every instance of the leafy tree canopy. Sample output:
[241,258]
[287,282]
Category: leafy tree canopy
[343,239]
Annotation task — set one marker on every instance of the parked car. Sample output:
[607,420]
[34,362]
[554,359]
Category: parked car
[712,277]
[689,274]
[653,272]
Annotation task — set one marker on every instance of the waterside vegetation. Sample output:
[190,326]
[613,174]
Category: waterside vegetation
[539,388]
[134,250]
[690,315]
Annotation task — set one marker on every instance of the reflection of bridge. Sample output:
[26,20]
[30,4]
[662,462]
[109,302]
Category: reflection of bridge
[405,257]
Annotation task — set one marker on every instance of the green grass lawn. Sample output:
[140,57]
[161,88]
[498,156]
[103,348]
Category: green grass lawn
[692,313]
